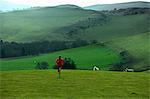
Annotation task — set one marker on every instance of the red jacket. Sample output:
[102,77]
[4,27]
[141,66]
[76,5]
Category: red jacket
[59,62]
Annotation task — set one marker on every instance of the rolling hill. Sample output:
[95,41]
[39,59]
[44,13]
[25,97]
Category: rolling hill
[118,26]
[68,22]
[138,4]
[138,47]
[84,57]
[38,24]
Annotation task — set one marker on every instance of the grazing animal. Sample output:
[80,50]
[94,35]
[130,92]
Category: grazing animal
[95,68]
[129,70]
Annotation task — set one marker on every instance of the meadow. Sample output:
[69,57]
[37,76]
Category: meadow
[138,48]
[38,24]
[118,27]
[55,23]
[84,57]
[88,56]
[74,84]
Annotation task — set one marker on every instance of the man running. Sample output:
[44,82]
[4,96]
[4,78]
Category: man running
[59,63]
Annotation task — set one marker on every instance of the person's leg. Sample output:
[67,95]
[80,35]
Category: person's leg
[58,72]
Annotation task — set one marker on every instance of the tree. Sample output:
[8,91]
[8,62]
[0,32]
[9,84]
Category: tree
[118,67]
[14,49]
[69,64]
[126,58]
[79,42]
[115,9]
[1,41]
[94,42]
[124,63]
[42,65]
[23,51]
[2,53]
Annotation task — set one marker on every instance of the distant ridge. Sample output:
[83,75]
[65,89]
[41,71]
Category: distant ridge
[67,6]
[137,4]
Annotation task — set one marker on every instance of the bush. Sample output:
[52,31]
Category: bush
[94,41]
[125,62]
[118,67]
[69,64]
[42,65]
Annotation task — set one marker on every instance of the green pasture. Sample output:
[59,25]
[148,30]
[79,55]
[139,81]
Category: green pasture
[74,84]
[138,47]
[84,57]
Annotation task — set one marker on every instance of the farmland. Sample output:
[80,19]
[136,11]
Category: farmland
[84,57]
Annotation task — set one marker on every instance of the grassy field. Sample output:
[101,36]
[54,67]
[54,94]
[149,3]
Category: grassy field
[119,26]
[45,23]
[84,57]
[76,84]
[39,24]
[138,47]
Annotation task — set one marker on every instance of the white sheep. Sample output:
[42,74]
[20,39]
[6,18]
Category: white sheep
[129,70]
[95,68]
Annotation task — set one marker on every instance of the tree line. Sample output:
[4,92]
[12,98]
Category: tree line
[127,11]
[14,49]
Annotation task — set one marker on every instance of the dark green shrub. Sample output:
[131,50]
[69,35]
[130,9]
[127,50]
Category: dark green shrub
[42,65]
[69,64]
[94,42]
[118,67]
[125,62]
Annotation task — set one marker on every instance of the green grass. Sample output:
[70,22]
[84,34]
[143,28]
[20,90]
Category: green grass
[45,23]
[38,24]
[74,85]
[119,26]
[84,57]
[138,47]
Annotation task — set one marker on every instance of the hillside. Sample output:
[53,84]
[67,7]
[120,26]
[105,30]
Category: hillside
[79,85]
[118,26]
[68,22]
[137,46]
[38,24]
[139,4]
[84,57]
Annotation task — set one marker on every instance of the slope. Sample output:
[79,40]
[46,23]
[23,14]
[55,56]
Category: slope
[137,46]
[39,23]
[117,26]
[84,57]
[68,23]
